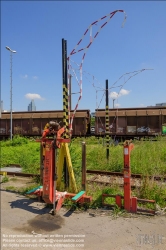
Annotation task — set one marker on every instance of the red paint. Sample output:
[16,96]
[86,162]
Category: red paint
[48,172]
[127,176]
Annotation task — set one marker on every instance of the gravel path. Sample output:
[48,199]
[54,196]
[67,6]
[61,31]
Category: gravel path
[28,224]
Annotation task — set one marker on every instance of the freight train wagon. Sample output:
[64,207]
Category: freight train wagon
[32,123]
[132,122]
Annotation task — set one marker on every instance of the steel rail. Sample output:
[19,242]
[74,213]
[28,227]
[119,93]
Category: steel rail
[20,174]
[138,176]
[94,172]
[106,183]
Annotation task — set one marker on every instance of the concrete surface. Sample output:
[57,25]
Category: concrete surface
[11,169]
[28,224]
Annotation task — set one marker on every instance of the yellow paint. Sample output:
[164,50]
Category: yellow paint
[48,147]
[60,165]
[44,151]
[46,126]
[3,173]
[64,152]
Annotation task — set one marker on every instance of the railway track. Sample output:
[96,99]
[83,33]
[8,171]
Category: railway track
[120,174]
[116,178]
[97,173]
[19,174]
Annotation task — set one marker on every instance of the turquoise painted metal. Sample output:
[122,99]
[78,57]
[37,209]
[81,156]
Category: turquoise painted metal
[34,189]
[78,196]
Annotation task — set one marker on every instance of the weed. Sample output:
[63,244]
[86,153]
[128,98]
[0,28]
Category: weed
[36,179]
[10,188]
[152,191]
[13,179]
[5,179]
[117,211]
[24,190]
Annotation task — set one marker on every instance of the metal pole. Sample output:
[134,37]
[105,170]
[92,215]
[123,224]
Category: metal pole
[67,97]
[113,103]
[127,175]
[107,122]
[11,51]
[11,96]
[65,104]
[70,92]
[63,83]
[41,164]
[84,166]
[54,154]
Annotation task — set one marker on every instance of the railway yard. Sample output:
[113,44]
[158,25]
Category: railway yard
[29,222]
[81,178]
[123,123]
[101,186]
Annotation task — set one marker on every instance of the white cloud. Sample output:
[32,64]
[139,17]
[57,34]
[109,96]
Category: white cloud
[33,96]
[124,92]
[115,95]
[35,77]
[24,76]
[117,105]
[142,105]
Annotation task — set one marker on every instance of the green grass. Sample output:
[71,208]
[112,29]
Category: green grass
[21,151]
[147,158]
[5,179]
[21,190]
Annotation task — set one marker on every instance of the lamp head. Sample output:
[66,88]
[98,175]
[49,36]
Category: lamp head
[13,51]
[7,48]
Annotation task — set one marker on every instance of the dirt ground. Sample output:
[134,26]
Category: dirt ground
[28,224]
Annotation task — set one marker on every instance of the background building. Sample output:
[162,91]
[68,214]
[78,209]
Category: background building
[92,114]
[1,106]
[161,104]
[31,106]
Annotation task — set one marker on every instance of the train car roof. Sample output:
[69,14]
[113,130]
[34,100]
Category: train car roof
[44,111]
[51,114]
[134,108]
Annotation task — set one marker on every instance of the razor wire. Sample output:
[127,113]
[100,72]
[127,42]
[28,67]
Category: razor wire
[108,18]
[134,73]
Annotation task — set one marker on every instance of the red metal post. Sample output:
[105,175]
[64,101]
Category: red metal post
[48,172]
[119,200]
[134,204]
[83,166]
[127,175]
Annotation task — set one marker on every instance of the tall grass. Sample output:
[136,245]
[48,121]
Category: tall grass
[147,158]
[21,151]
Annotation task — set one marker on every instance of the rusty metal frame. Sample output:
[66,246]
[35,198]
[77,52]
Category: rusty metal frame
[130,202]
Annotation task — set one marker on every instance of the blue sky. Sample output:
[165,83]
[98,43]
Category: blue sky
[35,30]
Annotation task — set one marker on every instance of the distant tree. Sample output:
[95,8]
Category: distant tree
[92,121]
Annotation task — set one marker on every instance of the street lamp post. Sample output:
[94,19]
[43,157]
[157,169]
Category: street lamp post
[113,103]
[11,52]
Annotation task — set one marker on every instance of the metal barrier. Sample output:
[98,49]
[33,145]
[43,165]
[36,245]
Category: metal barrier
[129,203]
